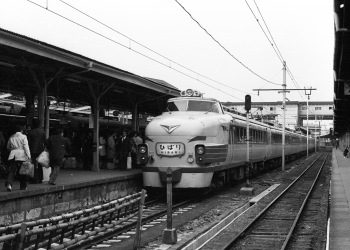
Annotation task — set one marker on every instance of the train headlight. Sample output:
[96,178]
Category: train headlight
[142,154]
[200,154]
[200,150]
[189,92]
[190,159]
[142,149]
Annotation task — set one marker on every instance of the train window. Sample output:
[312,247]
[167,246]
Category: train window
[260,137]
[255,136]
[203,106]
[177,106]
[239,135]
[236,137]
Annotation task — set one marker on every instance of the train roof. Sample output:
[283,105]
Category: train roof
[263,124]
[193,98]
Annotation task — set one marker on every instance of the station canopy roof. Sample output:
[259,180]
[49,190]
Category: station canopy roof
[341,66]
[26,64]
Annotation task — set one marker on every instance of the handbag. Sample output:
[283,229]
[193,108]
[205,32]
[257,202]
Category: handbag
[27,168]
[44,159]
[128,162]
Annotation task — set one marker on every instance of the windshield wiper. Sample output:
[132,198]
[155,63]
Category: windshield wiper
[210,109]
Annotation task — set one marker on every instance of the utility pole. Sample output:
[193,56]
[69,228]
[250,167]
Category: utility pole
[284,90]
[308,93]
[315,133]
[284,115]
[247,106]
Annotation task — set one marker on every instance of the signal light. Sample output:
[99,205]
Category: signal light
[248,103]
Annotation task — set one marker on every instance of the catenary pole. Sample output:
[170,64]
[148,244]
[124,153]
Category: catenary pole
[284,90]
[284,115]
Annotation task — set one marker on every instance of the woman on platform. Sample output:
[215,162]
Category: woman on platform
[19,152]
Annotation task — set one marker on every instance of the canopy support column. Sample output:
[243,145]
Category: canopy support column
[135,117]
[97,94]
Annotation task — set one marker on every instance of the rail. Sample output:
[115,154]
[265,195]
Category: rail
[277,221]
[72,229]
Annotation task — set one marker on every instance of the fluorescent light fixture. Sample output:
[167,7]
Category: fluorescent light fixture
[79,109]
[73,80]
[118,91]
[5,95]
[7,64]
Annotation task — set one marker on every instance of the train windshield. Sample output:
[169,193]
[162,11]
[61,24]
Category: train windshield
[192,105]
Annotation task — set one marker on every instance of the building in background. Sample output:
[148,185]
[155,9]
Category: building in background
[320,114]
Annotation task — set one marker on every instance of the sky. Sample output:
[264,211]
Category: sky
[216,47]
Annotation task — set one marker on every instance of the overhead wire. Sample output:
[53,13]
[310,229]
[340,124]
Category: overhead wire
[147,48]
[170,60]
[256,74]
[142,54]
[273,44]
[275,48]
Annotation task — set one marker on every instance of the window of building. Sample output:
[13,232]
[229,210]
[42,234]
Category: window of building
[303,108]
[272,108]
[318,108]
[330,108]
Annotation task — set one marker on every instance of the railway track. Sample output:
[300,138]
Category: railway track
[274,225]
[82,229]
[154,213]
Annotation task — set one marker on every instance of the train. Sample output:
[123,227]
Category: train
[204,144]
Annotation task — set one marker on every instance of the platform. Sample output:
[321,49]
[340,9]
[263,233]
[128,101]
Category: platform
[339,231]
[74,189]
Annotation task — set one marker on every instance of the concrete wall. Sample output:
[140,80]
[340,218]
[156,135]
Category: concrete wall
[37,204]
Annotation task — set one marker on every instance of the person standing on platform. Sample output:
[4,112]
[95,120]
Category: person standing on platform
[58,146]
[336,143]
[124,149]
[137,140]
[102,150]
[87,151]
[346,151]
[111,146]
[36,140]
[2,143]
[77,146]
[19,152]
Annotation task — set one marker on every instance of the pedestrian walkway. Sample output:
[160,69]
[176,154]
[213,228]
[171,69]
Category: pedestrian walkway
[339,231]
